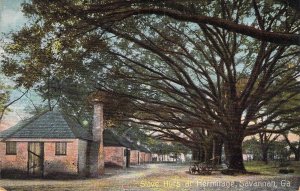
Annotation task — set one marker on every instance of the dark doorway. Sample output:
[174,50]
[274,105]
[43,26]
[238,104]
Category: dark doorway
[127,158]
[35,158]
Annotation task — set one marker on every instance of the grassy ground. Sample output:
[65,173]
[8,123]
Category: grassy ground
[272,168]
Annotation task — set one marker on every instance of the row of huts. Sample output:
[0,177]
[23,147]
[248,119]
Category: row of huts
[53,144]
[121,152]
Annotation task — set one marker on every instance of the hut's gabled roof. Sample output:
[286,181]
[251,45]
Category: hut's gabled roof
[128,143]
[110,138]
[55,125]
[144,149]
[134,146]
[50,124]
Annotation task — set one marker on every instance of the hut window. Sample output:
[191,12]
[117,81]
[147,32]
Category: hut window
[11,148]
[61,148]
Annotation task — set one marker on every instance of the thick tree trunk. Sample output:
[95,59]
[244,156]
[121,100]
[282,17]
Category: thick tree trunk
[293,148]
[226,151]
[209,153]
[297,155]
[218,150]
[195,154]
[199,155]
[235,154]
[265,154]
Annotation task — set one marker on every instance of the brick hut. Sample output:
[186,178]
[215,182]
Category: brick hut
[139,154]
[116,150]
[145,154]
[44,145]
[135,156]
[49,144]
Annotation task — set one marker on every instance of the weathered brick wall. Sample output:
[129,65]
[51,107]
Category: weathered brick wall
[14,163]
[61,164]
[82,157]
[53,164]
[114,156]
[148,157]
[142,157]
[134,157]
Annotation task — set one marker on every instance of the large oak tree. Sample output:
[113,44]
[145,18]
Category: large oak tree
[186,67]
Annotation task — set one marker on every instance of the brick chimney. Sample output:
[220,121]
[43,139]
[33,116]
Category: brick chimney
[96,166]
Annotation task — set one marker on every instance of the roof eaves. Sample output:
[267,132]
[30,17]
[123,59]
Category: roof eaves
[30,120]
[78,133]
[118,138]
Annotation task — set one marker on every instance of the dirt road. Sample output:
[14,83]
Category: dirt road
[159,177]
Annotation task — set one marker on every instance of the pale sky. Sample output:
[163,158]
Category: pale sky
[12,19]
[11,16]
